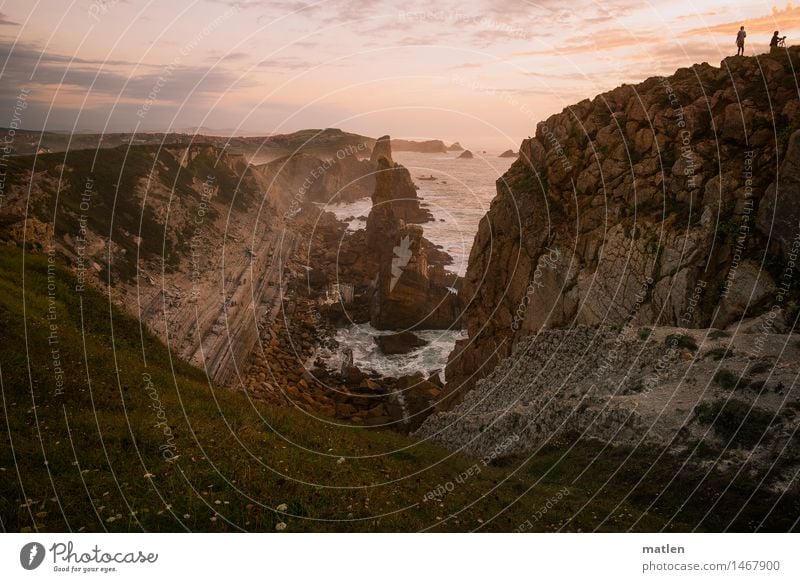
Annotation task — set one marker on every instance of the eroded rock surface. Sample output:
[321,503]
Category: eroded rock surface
[733,391]
[657,202]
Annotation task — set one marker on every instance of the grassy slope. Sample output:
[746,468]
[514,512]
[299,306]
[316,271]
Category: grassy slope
[238,460]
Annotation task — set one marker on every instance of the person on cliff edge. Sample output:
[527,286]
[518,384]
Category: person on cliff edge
[775,42]
[740,36]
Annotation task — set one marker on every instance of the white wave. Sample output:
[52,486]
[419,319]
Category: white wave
[349,212]
[368,357]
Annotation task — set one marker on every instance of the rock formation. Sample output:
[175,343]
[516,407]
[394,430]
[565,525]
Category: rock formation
[382,149]
[410,289]
[466,155]
[508,154]
[432,146]
[455,147]
[395,197]
[399,343]
[407,294]
[733,392]
[188,252]
[396,277]
[343,178]
[656,203]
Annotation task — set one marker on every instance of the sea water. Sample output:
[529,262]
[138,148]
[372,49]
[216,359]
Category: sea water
[458,198]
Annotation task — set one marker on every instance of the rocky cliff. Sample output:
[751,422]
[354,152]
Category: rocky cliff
[181,237]
[431,146]
[672,202]
[302,177]
[410,293]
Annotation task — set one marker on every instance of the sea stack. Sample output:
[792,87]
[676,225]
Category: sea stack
[382,149]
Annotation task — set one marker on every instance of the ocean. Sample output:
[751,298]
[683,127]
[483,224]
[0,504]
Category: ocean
[458,198]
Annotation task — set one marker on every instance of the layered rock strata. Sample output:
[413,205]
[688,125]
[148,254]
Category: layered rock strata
[670,202]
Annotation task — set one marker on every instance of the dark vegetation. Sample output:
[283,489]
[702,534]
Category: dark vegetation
[106,179]
[681,341]
[740,424]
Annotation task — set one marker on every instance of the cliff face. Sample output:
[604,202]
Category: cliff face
[304,177]
[671,202]
[181,237]
[431,146]
[410,293]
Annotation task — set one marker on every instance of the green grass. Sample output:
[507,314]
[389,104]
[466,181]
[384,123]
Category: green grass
[88,458]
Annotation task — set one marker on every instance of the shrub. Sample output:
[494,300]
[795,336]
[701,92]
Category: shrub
[681,341]
[717,353]
[636,388]
[736,421]
[729,380]
[760,367]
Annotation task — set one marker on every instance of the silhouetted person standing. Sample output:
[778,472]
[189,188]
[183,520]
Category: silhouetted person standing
[740,36]
[775,42]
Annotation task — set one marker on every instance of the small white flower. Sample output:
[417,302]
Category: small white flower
[340,461]
[280,526]
[282,507]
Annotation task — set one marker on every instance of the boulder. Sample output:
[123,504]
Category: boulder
[466,155]
[352,375]
[399,343]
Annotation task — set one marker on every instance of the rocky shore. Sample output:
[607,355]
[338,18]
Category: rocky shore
[283,373]
[387,274]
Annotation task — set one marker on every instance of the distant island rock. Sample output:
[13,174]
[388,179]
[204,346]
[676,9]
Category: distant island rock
[508,154]
[431,146]
[456,147]
[466,155]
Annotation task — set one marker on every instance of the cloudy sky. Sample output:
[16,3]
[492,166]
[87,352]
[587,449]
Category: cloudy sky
[479,71]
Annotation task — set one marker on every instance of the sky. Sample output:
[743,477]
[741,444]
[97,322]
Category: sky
[481,72]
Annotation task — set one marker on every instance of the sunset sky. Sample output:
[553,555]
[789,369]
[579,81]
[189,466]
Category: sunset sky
[482,72]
